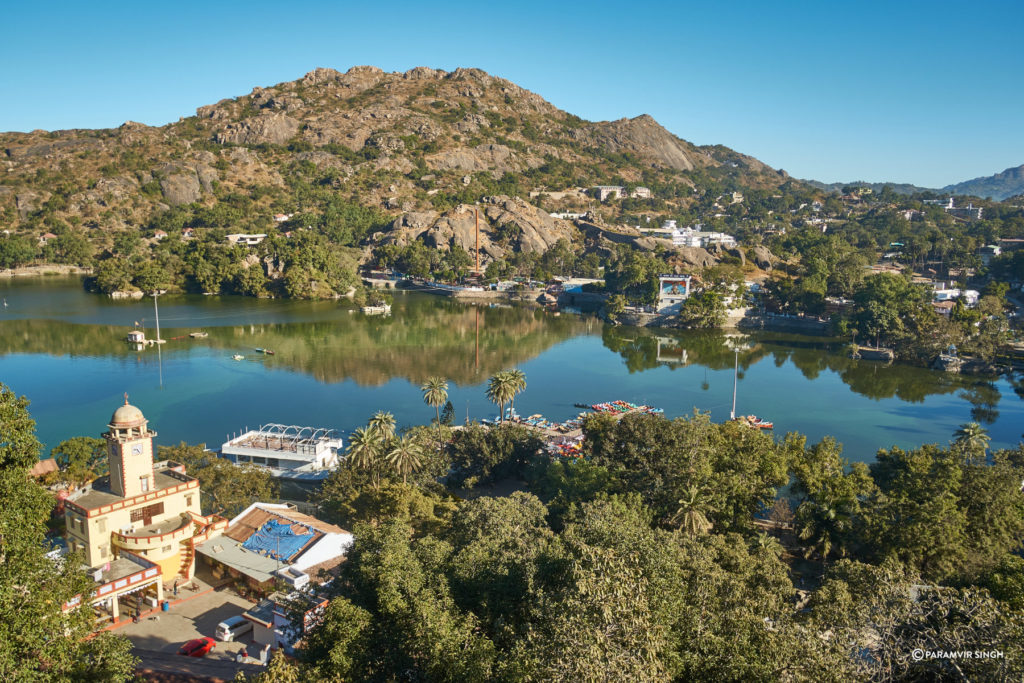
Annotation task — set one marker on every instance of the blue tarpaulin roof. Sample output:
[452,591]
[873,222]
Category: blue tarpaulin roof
[278,540]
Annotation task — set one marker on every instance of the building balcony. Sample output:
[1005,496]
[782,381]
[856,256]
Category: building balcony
[173,530]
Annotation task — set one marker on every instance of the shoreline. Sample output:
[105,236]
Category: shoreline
[46,270]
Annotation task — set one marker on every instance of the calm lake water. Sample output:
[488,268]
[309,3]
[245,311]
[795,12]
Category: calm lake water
[62,347]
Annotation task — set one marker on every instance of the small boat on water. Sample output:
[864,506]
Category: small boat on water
[265,351]
[198,335]
[238,356]
[752,421]
[383,309]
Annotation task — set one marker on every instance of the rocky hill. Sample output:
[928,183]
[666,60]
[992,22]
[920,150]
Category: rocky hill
[999,186]
[419,147]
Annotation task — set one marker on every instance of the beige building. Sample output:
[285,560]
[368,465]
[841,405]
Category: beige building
[142,520]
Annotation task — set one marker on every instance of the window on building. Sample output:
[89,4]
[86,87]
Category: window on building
[103,552]
[259,459]
[188,501]
[273,462]
[166,549]
[147,513]
[144,483]
[101,525]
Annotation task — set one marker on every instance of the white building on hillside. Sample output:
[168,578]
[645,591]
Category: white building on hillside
[693,236]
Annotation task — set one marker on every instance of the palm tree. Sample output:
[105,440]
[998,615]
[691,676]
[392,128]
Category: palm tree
[769,543]
[972,437]
[383,425]
[689,516]
[435,393]
[362,447]
[500,391]
[517,384]
[405,456]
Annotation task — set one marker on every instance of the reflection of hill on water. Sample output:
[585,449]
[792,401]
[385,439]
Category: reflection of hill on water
[418,341]
[639,347]
[372,351]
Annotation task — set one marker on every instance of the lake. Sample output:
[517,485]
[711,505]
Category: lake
[334,367]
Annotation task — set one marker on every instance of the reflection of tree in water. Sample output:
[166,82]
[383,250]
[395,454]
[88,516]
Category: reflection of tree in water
[425,336]
[984,399]
[812,356]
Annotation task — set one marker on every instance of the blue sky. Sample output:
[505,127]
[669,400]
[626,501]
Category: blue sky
[923,92]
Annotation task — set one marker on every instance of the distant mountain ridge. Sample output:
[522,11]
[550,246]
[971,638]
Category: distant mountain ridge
[1000,186]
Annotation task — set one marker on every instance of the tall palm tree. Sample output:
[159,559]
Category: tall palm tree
[689,516]
[365,448]
[362,448]
[972,437]
[435,393]
[405,456]
[517,383]
[499,392]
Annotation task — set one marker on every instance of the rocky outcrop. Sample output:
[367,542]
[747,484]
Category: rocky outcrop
[692,257]
[269,127]
[505,223]
[496,158]
[642,136]
[181,188]
[762,257]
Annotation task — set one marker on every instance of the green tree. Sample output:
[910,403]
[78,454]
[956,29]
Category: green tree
[39,640]
[517,385]
[81,459]
[831,492]
[435,393]
[226,488]
[972,438]
[500,390]
[916,516]
[883,614]
[690,515]
[405,456]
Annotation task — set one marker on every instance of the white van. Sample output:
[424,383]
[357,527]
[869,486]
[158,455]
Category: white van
[230,629]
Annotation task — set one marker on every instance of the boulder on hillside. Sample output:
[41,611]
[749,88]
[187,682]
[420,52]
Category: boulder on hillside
[762,257]
[692,256]
[181,187]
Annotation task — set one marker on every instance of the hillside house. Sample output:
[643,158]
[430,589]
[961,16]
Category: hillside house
[247,240]
[159,235]
[605,192]
[46,237]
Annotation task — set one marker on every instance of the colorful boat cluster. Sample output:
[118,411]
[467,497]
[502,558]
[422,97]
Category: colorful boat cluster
[754,422]
[624,407]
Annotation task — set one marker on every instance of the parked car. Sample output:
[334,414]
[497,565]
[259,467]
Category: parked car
[230,629]
[198,647]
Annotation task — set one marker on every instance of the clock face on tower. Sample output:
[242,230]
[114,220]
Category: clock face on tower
[137,449]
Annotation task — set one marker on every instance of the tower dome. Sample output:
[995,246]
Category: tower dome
[127,416]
